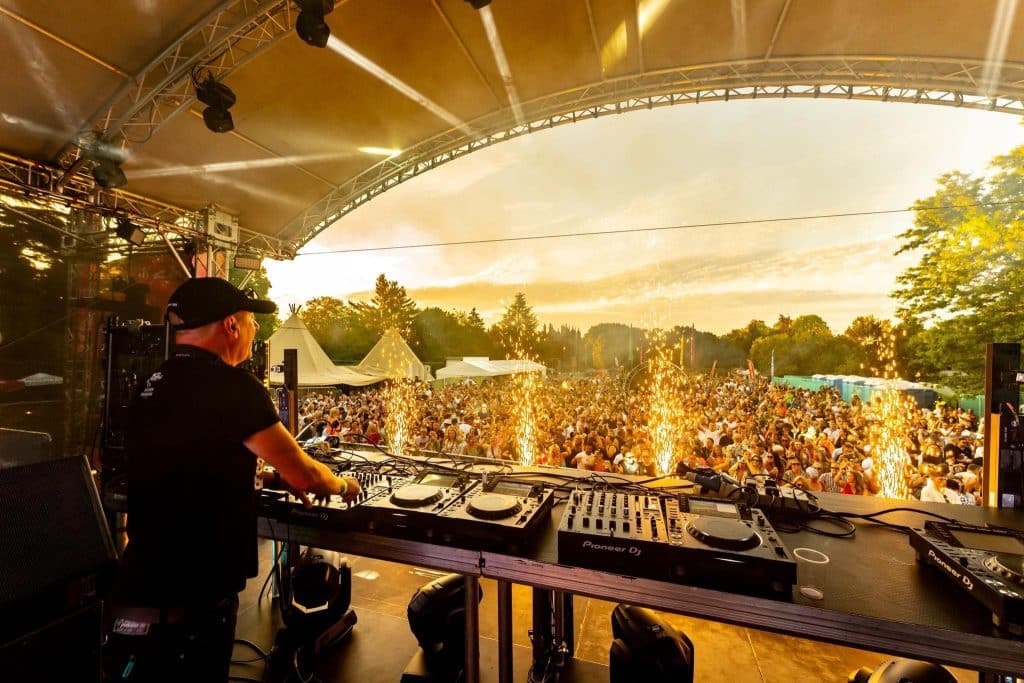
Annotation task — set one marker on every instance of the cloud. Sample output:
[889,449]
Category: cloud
[714,293]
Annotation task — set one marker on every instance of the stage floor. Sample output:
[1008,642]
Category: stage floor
[381,644]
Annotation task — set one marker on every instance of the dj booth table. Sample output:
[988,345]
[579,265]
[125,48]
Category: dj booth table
[877,596]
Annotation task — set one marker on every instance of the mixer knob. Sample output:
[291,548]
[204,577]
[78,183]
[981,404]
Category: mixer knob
[586,522]
[599,523]
[625,527]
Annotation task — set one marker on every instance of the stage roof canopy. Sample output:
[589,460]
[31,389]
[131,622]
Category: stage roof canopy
[431,80]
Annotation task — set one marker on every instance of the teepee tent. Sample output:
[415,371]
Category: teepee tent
[392,358]
[315,368]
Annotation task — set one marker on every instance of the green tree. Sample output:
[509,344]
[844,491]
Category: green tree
[516,333]
[963,290]
[807,348]
[324,317]
[613,343]
[259,283]
[389,308]
[443,334]
[874,339]
[744,337]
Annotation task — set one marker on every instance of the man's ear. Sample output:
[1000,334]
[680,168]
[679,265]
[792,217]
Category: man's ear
[230,324]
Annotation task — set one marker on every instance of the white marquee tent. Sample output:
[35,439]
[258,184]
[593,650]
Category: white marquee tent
[481,367]
[315,368]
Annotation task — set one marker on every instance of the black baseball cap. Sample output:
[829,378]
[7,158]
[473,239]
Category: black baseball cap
[203,300]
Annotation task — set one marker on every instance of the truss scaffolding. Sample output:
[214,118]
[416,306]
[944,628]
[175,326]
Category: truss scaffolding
[33,179]
[233,33]
[953,83]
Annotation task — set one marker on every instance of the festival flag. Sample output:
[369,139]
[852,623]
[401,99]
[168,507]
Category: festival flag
[773,364]
[751,372]
[693,352]
[714,366]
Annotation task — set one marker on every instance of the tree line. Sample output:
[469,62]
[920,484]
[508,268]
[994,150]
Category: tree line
[804,345]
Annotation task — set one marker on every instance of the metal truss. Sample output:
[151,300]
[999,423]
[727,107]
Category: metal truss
[232,34]
[947,82]
[32,179]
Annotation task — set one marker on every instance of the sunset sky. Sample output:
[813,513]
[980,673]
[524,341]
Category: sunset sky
[707,163]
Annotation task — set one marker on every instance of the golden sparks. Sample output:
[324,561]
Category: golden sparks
[665,412]
[889,434]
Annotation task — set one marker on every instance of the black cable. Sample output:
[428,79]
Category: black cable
[849,528]
[688,226]
[25,336]
[259,651]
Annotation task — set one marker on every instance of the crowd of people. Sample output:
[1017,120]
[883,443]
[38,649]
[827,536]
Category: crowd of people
[742,426]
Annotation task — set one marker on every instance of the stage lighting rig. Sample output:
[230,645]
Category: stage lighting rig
[310,25]
[218,99]
[107,173]
[130,232]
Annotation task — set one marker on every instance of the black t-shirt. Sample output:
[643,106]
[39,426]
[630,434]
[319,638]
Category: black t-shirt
[191,493]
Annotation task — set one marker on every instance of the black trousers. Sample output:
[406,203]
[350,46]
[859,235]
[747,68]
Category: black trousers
[191,644]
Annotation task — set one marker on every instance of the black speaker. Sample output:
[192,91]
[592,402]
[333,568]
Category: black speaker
[55,548]
[647,649]
[20,447]
[1003,478]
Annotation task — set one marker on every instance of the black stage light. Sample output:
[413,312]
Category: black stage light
[218,98]
[898,670]
[479,4]
[108,174]
[310,25]
[647,649]
[130,232]
[437,617]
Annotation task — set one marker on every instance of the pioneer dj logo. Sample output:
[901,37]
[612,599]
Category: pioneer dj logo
[962,577]
[630,550]
[313,514]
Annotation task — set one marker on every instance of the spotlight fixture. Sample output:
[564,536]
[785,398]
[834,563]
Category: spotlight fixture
[218,98]
[248,261]
[479,4]
[108,174]
[130,232]
[310,25]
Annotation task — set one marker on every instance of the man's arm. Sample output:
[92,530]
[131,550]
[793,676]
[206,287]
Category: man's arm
[301,472]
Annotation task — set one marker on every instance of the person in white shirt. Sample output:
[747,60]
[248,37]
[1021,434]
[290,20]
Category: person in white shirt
[935,490]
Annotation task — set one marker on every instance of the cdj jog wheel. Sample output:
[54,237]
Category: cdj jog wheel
[416,495]
[1007,565]
[493,506]
[728,534]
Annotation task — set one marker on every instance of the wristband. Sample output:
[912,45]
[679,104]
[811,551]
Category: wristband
[344,487]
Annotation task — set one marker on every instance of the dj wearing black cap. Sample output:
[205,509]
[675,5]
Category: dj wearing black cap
[196,429]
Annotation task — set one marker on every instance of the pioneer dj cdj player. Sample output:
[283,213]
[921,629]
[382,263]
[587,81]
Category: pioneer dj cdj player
[987,563]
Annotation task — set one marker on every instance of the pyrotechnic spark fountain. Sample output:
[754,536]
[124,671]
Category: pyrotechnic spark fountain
[401,416]
[889,435]
[401,407]
[526,386]
[665,415]
[525,394]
